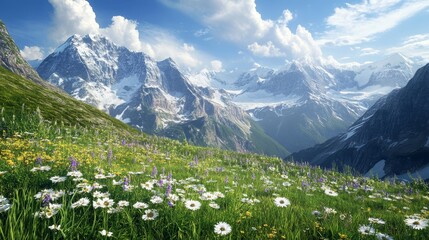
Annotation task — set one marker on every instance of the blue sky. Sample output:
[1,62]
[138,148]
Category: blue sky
[228,34]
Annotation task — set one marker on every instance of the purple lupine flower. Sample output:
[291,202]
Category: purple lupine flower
[123,142]
[39,161]
[154,171]
[126,183]
[46,200]
[355,185]
[73,164]
[170,176]
[170,204]
[169,189]
[160,182]
[196,160]
[226,180]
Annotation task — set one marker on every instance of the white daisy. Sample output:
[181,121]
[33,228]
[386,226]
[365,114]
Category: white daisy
[376,220]
[222,228]
[75,174]
[192,205]
[83,202]
[57,179]
[214,205]
[156,200]
[103,203]
[123,203]
[281,202]
[366,230]
[140,205]
[330,192]
[150,214]
[416,223]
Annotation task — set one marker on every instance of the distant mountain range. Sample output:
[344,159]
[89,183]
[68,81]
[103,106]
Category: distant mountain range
[391,138]
[306,103]
[152,96]
[298,106]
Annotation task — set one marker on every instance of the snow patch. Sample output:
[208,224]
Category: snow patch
[377,170]
[119,116]
[126,87]
[262,98]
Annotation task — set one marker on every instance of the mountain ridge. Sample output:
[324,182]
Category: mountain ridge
[393,133]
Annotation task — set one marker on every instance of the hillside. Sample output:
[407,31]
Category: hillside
[17,92]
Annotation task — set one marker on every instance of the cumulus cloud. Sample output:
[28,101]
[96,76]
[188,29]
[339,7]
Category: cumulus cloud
[235,21]
[73,17]
[265,50]
[240,22]
[32,53]
[78,17]
[123,32]
[161,44]
[357,23]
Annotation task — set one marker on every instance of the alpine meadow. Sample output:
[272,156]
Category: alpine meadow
[214,119]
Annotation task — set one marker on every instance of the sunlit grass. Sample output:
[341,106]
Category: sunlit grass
[162,175]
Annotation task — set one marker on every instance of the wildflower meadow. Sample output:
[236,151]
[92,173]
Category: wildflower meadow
[72,182]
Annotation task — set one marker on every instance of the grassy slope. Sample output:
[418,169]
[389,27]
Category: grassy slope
[16,91]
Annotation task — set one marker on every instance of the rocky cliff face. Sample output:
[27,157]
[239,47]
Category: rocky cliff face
[392,137]
[10,58]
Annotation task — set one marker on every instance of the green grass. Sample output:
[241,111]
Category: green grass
[16,92]
[240,178]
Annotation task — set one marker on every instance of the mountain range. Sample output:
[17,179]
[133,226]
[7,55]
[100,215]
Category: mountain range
[293,108]
[153,96]
[307,103]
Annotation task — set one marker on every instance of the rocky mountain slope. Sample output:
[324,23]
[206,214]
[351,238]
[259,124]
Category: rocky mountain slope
[391,138]
[11,59]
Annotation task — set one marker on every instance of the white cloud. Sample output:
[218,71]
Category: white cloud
[357,23]
[32,53]
[265,50]
[161,44]
[78,17]
[414,46]
[216,65]
[369,51]
[241,23]
[123,32]
[235,21]
[73,17]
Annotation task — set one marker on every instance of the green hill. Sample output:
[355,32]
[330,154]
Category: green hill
[16,92]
